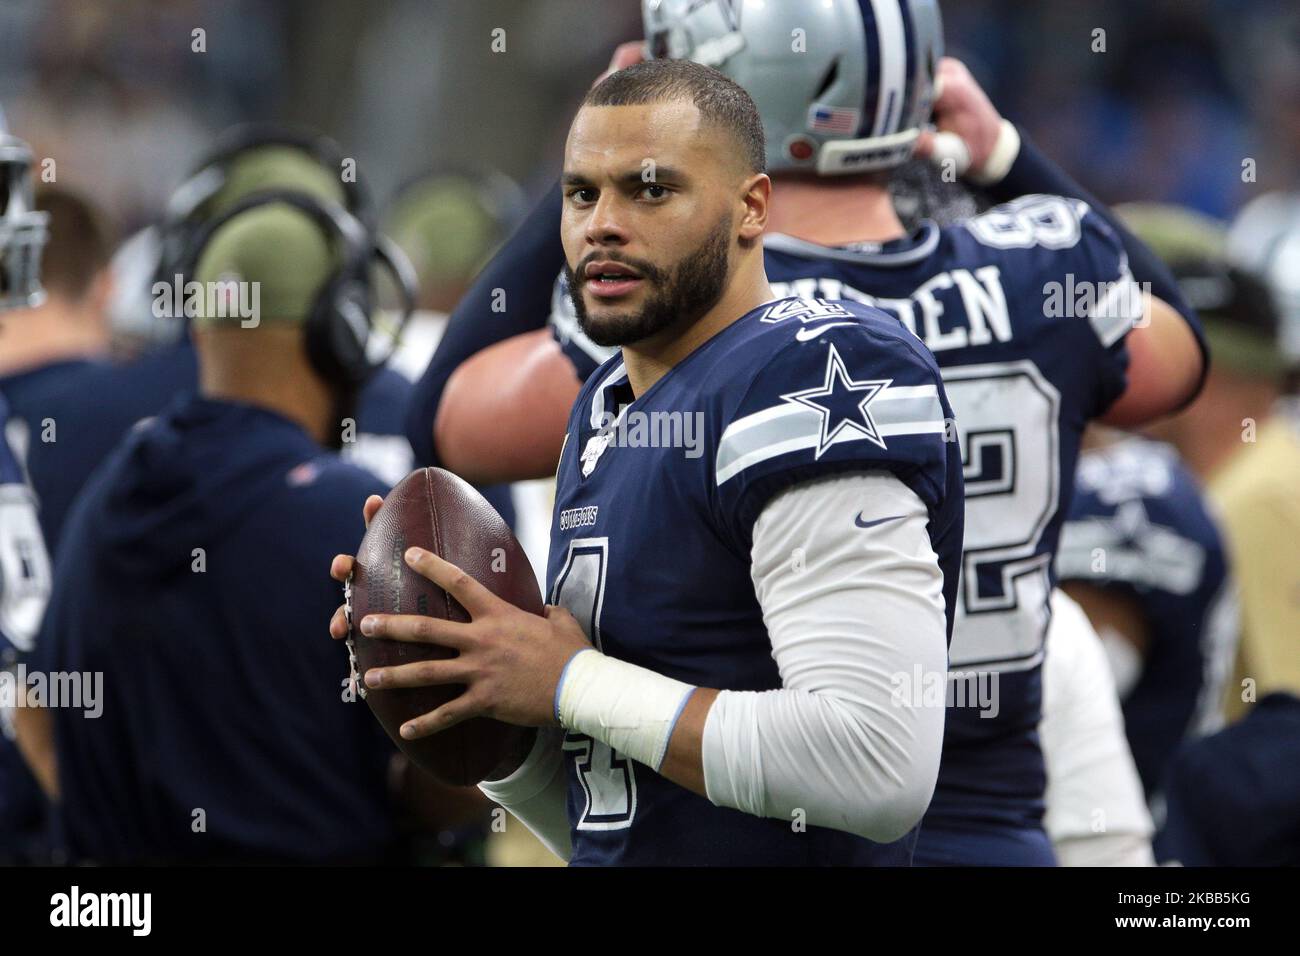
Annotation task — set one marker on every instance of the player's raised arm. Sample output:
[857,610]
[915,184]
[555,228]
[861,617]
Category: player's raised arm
[1168,355]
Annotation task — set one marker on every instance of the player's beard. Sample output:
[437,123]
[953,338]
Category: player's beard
[680,297]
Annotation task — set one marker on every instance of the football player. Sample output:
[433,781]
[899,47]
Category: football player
[1035,310]
[1231,798]
[45,346]
[24,566]
[1142,551]
[1143,556]
[754,617]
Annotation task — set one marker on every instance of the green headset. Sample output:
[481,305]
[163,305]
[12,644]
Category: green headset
[338,324]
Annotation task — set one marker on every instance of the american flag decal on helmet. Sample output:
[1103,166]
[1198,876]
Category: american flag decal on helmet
[833,119]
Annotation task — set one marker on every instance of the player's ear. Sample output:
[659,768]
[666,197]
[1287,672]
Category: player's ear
[757,196]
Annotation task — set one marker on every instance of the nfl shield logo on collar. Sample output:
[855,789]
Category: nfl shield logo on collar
[596,446]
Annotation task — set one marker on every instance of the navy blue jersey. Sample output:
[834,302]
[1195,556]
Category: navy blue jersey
[1025,308]
[194,579]
[24,589]
[69,415]
[1139,526]
[655,504]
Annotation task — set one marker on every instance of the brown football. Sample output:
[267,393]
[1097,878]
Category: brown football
[433,509]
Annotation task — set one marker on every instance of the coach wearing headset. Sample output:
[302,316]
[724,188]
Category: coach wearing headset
[192,563]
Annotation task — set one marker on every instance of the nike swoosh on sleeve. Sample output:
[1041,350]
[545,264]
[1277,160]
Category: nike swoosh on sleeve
[807,335]
[871,524]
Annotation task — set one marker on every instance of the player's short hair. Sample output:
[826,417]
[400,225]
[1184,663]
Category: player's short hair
[720,101]
[79,246]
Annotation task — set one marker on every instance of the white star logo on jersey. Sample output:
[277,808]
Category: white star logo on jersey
[842,403]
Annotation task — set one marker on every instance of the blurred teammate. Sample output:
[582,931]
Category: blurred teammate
[24,566]
[1229,799]
[1143,556]
[1025,370]
[1238,437]
[56,347]
[190,572]
[738,708]
[1256,490]
[1143,551]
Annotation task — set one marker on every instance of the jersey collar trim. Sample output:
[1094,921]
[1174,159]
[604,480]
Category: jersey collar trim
[899,252]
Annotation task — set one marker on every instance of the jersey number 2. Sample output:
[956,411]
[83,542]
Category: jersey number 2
[1007,416]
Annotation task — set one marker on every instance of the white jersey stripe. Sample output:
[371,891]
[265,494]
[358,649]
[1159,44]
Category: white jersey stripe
[893,62]
[922,402]
[797,429]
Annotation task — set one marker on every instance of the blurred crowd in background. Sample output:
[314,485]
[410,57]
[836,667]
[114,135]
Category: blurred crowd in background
[1162,105]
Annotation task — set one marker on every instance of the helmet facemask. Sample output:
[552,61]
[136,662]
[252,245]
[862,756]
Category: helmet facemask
[23,230]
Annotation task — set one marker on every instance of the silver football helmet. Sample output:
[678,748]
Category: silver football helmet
[23,230]
[843,86]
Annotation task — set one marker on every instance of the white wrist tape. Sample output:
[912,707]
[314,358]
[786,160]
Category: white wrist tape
[1004,154]
[951,148]
[631,709]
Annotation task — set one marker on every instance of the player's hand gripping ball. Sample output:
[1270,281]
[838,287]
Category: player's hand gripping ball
[434,510]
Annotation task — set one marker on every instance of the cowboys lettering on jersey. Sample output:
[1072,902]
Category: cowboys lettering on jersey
[650,546]
[1025,308]
[1139,527]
